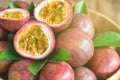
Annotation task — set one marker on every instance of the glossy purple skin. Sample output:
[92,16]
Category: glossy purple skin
[57,71]
[104,62]
[19,71]
[78,44]
[84,22]
[84,73]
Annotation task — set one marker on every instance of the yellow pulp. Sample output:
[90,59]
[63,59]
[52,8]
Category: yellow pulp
[54,12]
[13,15]
[33,41]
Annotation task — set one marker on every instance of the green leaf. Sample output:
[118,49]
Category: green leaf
[61,55]
[12,4]
[10,38]
[80,7]
[36,66]
[107,39]
[31,8]
[9,54]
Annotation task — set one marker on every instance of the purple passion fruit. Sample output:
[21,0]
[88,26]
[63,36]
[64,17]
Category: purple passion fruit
[56,13]
[78,44]
[104,62]
[4,64]
[83,22]
[34,40]
[18,70]
[57,71]
[84,73]
[2,8]
[3,33]
[13,19]
[22,4]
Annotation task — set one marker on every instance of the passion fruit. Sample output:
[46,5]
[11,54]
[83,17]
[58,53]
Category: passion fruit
[104,62]
[56,13]
[4,63]
[57,71]
[78,44]
[3,33]
[2,8]
[13,19]
[84,22]
[22,4]
[84,73]
[34,40]
[18,70]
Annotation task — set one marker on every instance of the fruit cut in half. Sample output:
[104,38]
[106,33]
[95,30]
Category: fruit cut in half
[13,19]
[56,13]
[34,40]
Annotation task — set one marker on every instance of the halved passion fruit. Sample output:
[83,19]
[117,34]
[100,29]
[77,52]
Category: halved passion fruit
[56,13]
[13,19]
[34,40]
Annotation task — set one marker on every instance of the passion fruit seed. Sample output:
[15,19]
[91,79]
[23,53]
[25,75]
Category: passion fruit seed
[33,40]
[13,15]
[54,12]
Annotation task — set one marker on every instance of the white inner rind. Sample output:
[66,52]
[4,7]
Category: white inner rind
[37,56]
[39,7]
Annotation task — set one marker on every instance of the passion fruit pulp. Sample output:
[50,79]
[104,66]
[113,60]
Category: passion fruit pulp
[13,19]
[34,40]
[56,13]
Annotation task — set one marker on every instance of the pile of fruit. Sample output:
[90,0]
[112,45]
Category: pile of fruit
[53,40]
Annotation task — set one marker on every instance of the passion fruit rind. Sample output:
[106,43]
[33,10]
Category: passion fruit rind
[34,40]
[56,13]
[4,63]
[22,4]
[18,70]
[84,22]
[13,19]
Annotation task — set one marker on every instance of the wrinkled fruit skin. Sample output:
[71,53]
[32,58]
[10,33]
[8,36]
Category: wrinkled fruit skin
[11,24]
[3,33]
[84,73]
[84,22]
[4,64]
[78,44]
[49,33]
[19,71]
[22,4]
[64,24]
[104,62]
[57,71]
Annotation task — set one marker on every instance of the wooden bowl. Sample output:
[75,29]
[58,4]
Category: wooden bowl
[104,24]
